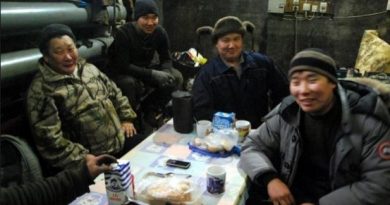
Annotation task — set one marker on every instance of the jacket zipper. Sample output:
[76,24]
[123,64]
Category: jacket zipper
[297,155]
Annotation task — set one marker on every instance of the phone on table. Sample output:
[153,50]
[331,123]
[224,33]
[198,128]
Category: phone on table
[178,163]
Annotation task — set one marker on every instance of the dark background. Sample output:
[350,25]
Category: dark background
[274,35]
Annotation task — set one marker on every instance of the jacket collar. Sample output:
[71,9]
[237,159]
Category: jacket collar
[354,98]
[291,112]
[245,61]
[50,75]
[364,99]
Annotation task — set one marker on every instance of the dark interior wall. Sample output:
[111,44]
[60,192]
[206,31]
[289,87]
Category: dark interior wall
[340,37]
[183,17]
[275,34]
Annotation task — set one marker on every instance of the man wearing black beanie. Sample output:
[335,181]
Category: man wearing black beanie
[328,143]
[133,64]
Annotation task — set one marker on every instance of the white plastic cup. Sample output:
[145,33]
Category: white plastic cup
[216,177]
[243,128]
[203,128]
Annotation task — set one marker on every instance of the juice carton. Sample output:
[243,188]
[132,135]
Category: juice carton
[119,183]
[222,120]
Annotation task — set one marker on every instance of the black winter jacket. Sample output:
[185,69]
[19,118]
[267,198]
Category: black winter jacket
[60,189]
[132,52]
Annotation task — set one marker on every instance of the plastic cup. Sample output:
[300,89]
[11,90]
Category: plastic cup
[243,128]
[203,128]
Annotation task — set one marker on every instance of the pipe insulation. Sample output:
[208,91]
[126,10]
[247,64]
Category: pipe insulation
[20,63]
[24,16]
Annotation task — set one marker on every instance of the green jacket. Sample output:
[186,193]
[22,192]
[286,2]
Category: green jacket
[71,116]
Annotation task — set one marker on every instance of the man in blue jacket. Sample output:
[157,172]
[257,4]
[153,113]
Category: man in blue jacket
[237,81]
[328,143]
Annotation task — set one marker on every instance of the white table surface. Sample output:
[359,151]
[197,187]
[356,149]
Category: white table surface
[151,154]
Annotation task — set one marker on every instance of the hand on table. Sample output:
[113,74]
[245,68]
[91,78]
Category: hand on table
[279,193]
[129,129]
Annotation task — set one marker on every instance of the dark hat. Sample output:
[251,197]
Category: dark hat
[316,60]
[144,7]
[53,31]
[226,25]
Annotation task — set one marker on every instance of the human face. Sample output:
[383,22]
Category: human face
[148,23]
[229,47]
[313,92]
[62,55]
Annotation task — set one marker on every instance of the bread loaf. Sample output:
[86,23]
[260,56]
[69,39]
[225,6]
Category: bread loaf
[165,192]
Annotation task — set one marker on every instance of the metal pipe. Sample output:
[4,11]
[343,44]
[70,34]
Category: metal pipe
[25,16]
[31,15]
[120,12]
[17,64]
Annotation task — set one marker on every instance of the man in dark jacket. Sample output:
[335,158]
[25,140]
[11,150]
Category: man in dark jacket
[237,81]
[60,189]
[328,143]
[133,64]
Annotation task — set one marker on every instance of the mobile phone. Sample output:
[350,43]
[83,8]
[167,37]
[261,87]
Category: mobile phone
[178,163]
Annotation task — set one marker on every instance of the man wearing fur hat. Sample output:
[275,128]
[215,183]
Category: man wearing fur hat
[328,143]
[133,64]
[236,81]
[73,108]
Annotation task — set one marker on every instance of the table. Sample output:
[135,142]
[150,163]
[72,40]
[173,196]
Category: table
[151,154]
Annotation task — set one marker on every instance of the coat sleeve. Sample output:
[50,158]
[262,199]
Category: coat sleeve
[163,51]
[374,184]
[60,189]
[202,97]
[119,57]
[278,84]
[46,127]
[120,102]
[260,148]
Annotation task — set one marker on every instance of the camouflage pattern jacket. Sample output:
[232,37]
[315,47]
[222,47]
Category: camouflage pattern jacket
[71,116]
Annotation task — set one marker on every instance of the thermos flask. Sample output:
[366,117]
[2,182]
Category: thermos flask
[182,111]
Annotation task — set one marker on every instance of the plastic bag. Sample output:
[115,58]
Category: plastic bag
[221,143]
[157,188]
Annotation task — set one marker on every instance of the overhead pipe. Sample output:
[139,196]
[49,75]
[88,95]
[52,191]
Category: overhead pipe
[25,16]
[16,65]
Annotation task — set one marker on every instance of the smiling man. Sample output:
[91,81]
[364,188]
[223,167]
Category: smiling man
[325,144]
[73,108]
[140,59]
[237,81]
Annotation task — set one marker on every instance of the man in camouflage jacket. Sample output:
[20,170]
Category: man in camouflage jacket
[73,108]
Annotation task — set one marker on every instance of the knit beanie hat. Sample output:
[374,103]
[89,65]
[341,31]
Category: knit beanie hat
[226,25]
[316,60]
[144,7]
[53,31]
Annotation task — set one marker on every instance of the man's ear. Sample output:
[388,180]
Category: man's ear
[46,58]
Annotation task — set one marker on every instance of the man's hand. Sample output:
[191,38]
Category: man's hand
[279,193]
[99,164]
[129,129]
[161,78]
